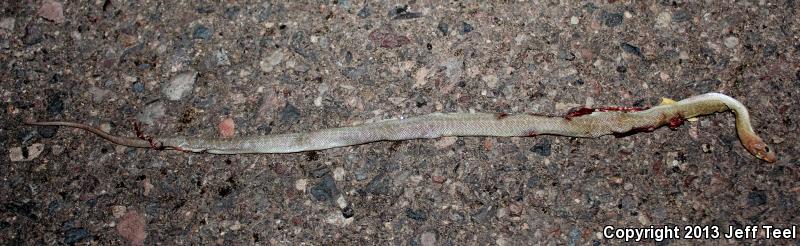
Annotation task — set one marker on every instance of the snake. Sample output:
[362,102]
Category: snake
[579,122]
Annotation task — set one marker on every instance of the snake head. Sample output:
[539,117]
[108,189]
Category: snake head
[764,152]
[761,150]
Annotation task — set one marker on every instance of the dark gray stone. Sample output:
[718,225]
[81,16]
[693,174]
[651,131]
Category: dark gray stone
[466,28]
[379,185]
[47,131]
[138,87]
[33,35]
[365,11]
[75,235]
[757,198]
[542,148]
[633,50]
[290,114]
[417,215]
[55,105]
[325,190]
[612,19]
[680,16]
[201,32]
[443,28]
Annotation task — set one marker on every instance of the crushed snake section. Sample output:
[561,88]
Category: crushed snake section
[581,122]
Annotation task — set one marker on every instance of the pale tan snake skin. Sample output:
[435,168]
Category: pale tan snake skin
[582,123]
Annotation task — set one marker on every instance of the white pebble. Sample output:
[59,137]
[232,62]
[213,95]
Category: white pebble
[574,20]
[338,173]
[301,184]
[731,42]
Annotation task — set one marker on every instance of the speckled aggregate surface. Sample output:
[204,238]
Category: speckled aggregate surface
[182,67]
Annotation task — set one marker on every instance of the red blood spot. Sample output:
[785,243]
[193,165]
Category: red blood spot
[675,122]
[634,131]
[150,139]
[532,133]
[578,112]
[501,115]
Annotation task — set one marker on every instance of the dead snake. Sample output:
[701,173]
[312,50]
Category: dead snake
[585,122]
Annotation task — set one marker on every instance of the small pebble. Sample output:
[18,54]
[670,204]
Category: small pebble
[574,20]
[290,114]
[365,11]
[47,132]
[706,148]
[338,173]
[438,179]
[490,80]
[55,105]
[574,236]
[633,50]
[533,182]
[515,209]
[118,211]
[379,185]
[151,112]
[427,239]
[756,198]
[466,28]
[201,32]
[106,127]
[221,57]
[542,148]
[98,94]
[33,35]
[52,11]
[348,212]
[269,63]
[627,186]
[663,20]
[417,215]
[613,19]
[57,149]
[325,190]
[443,28]
[445,142]
[7,23]
[132,227]
[301,184]
[180,86]
[341,202]
[227,128]
[680,16]
[33,151]
[387,37]
[138,87]
[232,12]
[75,235]
[731,42]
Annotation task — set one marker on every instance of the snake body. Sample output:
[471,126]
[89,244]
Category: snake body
[585,123]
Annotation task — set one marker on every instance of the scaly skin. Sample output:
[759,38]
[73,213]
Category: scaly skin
[583,123]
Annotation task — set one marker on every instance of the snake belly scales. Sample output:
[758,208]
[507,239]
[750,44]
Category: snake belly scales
[584,123]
